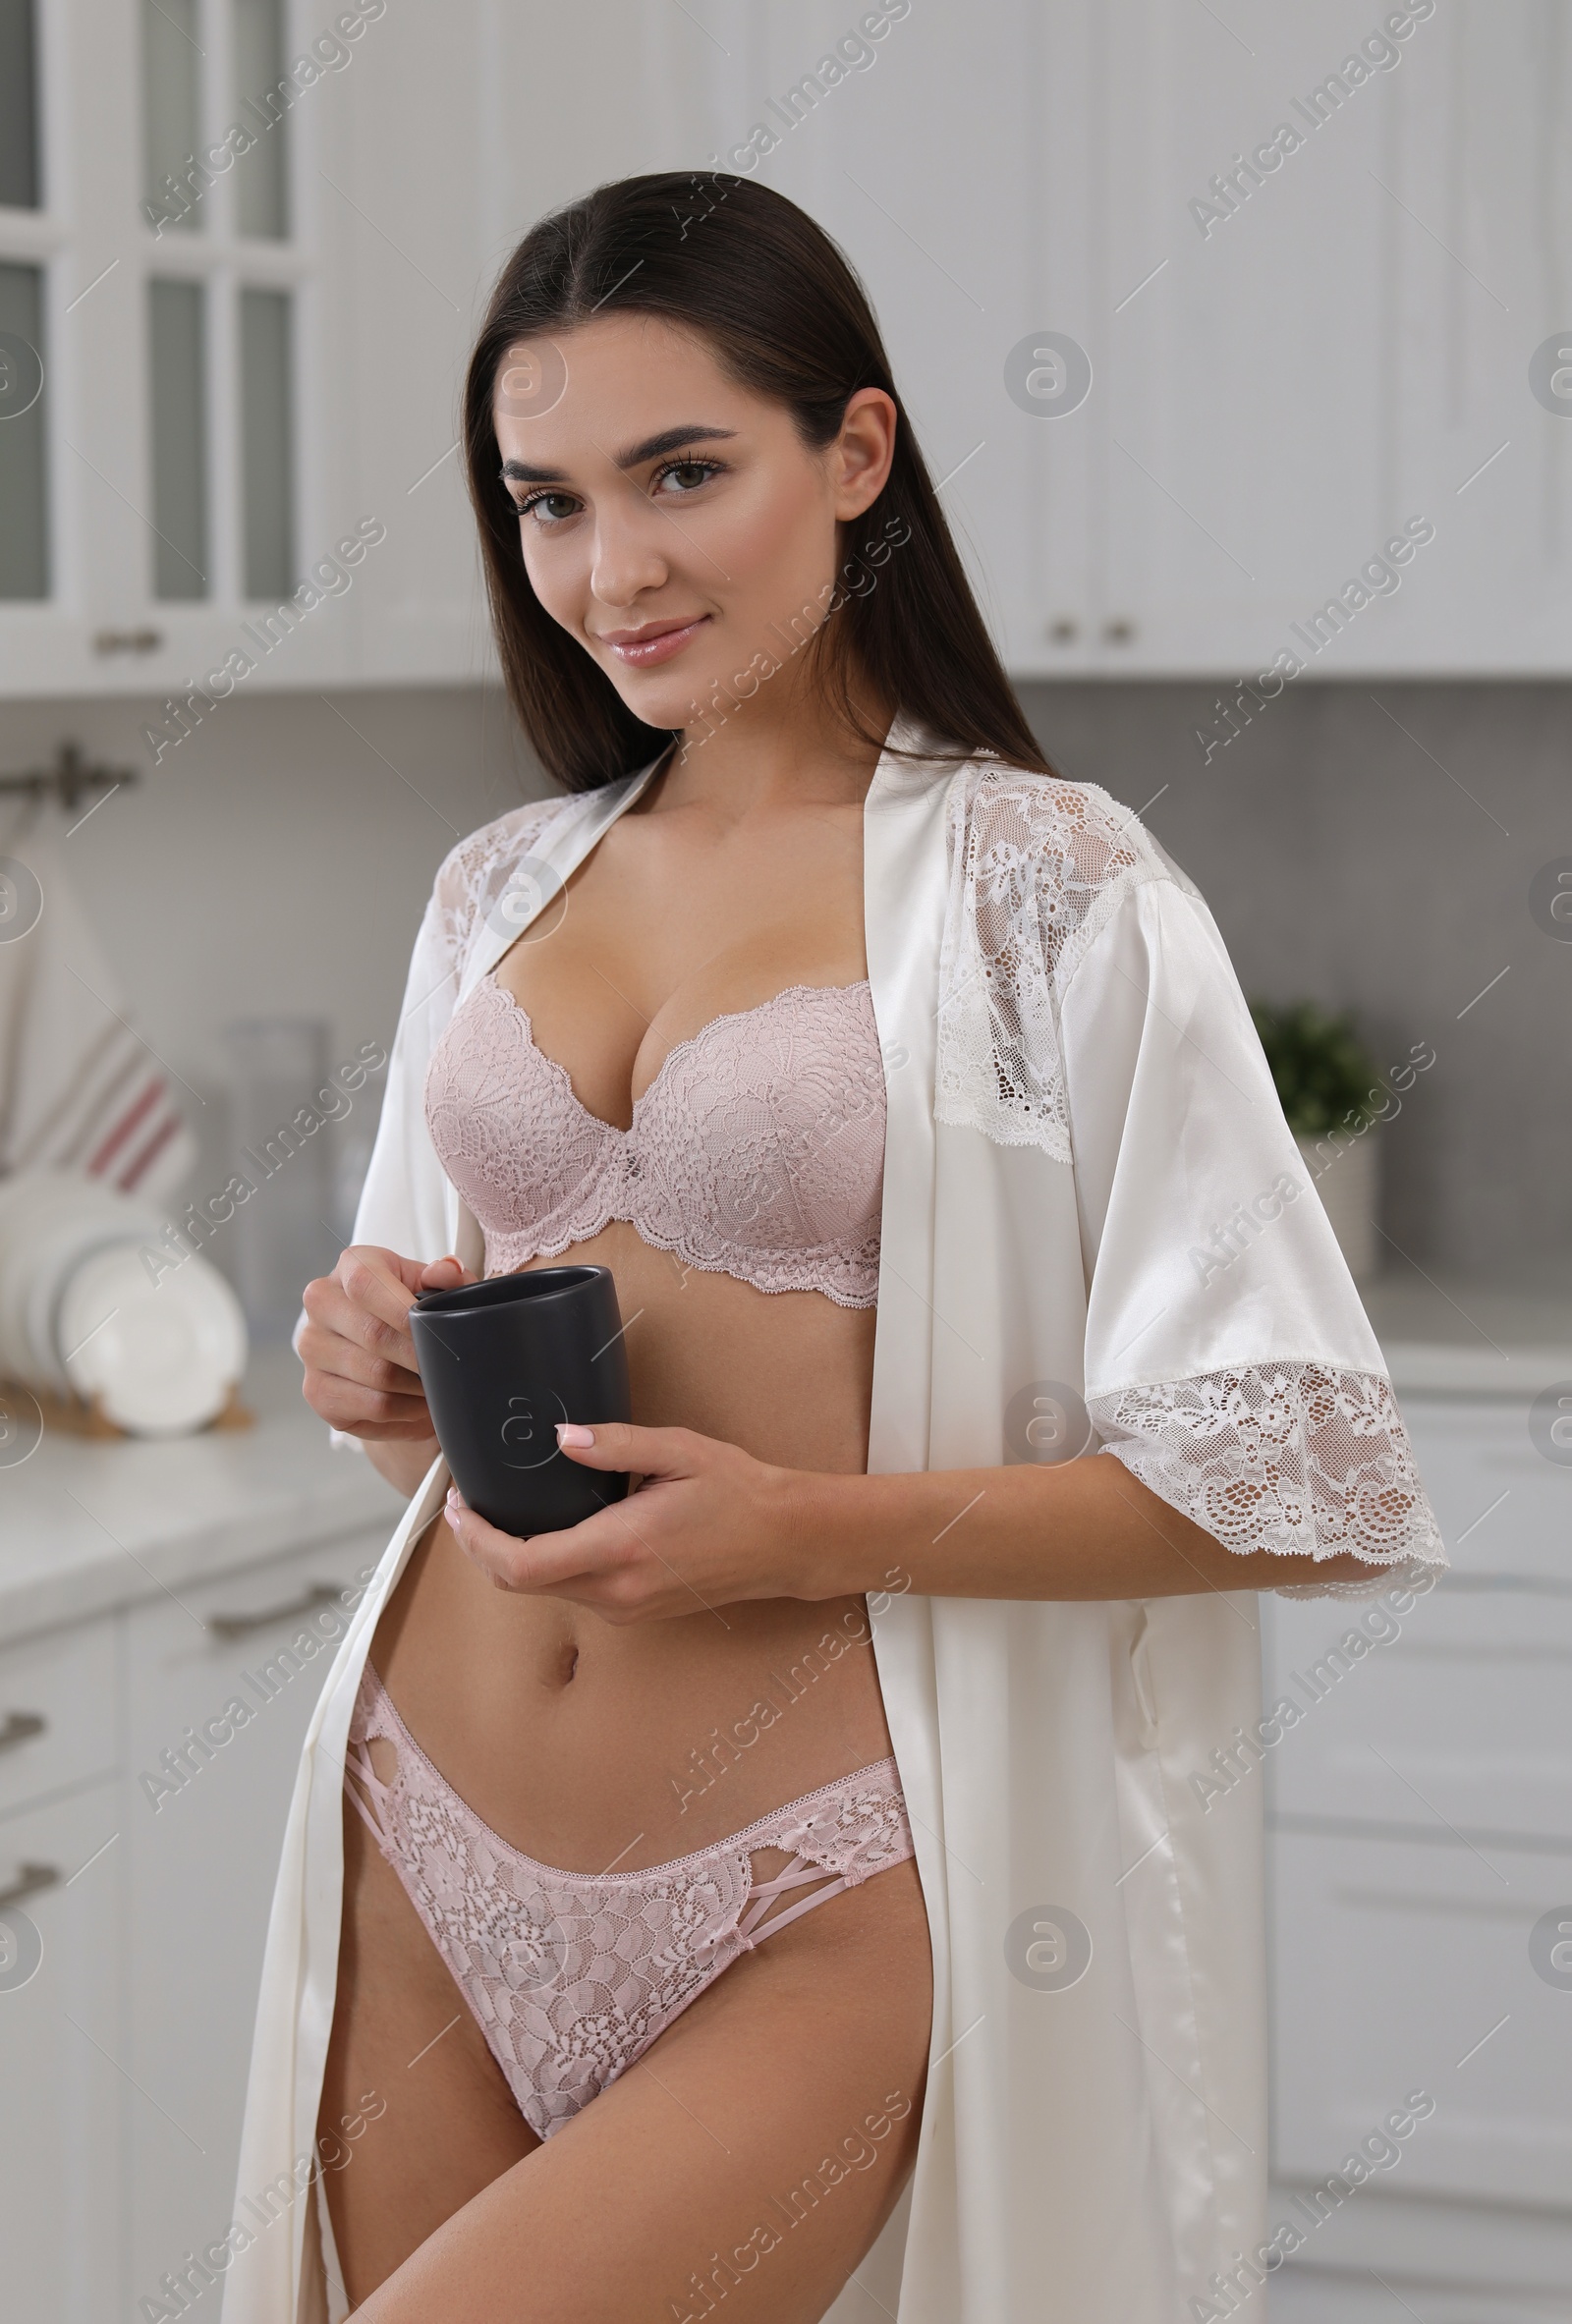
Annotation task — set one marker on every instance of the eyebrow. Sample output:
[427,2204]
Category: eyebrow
[671,439]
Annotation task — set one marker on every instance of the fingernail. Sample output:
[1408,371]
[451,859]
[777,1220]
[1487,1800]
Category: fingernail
[570,1432]
[456,1500]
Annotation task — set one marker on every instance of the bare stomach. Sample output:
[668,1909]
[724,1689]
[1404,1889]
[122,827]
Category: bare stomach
[596,1747]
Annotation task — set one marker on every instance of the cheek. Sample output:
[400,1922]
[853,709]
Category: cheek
[558,578]
[776,541]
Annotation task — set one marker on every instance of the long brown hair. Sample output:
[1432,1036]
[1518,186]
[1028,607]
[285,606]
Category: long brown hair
[786,316]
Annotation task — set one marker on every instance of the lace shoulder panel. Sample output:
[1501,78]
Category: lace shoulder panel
[1036,864]
[1295,1459]
[473,874]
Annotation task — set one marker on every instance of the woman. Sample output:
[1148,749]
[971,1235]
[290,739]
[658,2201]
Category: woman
[804,1887]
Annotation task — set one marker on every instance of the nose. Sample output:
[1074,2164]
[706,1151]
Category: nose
[630,555]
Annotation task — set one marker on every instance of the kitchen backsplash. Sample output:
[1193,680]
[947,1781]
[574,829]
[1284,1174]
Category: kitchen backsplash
[1370,847]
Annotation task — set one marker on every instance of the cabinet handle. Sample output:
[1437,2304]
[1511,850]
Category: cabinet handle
[20,1728]
[33,1878]
[126,640]
[239,1626]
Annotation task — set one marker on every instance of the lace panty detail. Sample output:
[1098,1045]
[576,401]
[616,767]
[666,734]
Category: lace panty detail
[572,1975]
[1292,1457]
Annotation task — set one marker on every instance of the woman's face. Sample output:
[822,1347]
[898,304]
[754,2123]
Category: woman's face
[672,522]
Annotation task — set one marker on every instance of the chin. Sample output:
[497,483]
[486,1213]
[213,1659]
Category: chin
[677,701]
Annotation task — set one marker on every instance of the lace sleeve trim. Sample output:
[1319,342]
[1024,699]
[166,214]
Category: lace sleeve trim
[1295,1459]
[1036,868]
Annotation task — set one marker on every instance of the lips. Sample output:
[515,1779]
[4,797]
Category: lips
[654,641]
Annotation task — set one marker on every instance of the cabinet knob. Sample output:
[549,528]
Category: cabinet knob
[240,1625]
[1118,633]
[31,1878]
[20,1728]
[1063,631]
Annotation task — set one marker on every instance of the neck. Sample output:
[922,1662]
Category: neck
[783,748]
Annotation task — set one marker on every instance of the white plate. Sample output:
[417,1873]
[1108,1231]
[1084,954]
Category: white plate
[160,1359]
[49,1222]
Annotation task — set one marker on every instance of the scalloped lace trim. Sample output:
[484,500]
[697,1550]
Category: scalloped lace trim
[1296,1458]
[1036,866]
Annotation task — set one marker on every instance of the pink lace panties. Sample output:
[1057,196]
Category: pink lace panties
[573,1976]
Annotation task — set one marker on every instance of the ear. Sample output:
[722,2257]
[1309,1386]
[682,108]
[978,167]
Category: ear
[862,453]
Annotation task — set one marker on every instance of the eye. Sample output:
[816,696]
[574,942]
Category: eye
[548,507]
[687,474]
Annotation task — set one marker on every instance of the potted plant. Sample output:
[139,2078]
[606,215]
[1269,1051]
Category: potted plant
[1329,1089]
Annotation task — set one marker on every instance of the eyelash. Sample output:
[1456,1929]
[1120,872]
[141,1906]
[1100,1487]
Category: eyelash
[711,468]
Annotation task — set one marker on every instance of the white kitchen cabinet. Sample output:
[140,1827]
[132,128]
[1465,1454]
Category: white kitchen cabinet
[200,1868]
[1421,1844]
[62,2059]
[1274,392]
[124,2054]
[237,410]
[1405,1966]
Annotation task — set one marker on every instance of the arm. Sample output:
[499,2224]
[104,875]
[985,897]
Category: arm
[710,1526]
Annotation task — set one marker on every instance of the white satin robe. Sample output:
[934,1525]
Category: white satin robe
[1077,1106]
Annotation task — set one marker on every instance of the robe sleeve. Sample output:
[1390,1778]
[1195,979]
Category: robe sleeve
[1229,1363]
[402,1206]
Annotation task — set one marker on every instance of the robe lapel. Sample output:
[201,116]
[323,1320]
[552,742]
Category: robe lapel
[905,879]
[562,848]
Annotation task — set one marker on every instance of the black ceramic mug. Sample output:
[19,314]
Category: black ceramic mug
[502,1361]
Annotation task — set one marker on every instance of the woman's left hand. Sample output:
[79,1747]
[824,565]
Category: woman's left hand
[706,1526]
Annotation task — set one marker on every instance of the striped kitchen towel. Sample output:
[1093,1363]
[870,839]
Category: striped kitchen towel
[80,1088]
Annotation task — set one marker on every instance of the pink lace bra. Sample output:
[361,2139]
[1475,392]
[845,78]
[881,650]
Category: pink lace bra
[757,1150]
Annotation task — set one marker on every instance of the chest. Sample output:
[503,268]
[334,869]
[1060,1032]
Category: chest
[669,925]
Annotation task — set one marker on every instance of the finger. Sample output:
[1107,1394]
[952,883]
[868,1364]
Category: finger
[445,1274]
[617,1444]
[366,1411]
[330,1356]
[379,1297]
[542,1562]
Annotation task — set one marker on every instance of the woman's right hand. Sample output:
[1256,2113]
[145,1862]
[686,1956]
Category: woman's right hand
[361,1373]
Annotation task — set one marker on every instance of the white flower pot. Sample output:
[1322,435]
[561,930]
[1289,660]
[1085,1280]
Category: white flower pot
[1345,1173]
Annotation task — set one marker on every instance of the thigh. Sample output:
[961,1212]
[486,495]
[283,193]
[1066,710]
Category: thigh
[415,2117]
[750,2156]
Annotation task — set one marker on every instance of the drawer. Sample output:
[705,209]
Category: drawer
[58,1721]
[1398,1968]
[1452,1713]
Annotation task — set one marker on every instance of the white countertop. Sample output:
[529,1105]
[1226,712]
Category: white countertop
[1444,1335]
[88,1525]
[85,1527]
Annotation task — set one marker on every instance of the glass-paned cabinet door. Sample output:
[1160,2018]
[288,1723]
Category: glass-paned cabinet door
[156,306]
[217,130]
[24,504]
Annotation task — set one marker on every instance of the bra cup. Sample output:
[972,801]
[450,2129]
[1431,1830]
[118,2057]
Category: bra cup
[504,1119]
[762,1150]
[757,1152]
